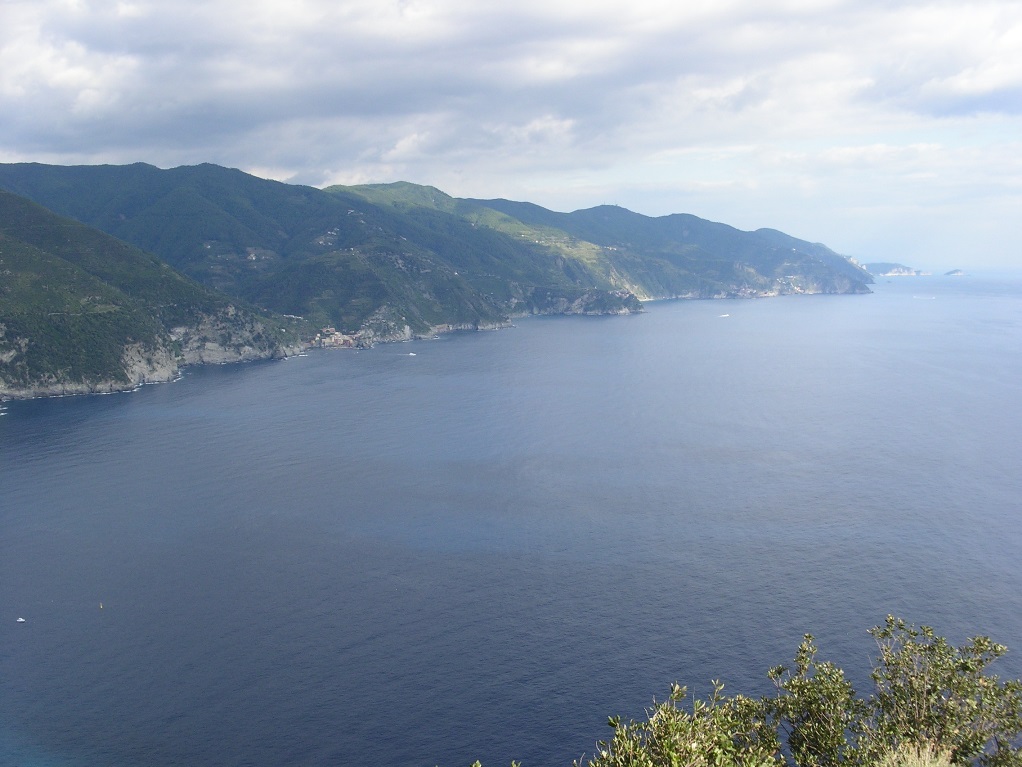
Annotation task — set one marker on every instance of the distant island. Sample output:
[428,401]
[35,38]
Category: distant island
[118,275]
[883,269]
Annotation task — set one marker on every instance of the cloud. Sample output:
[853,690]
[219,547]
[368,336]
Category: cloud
[646,102]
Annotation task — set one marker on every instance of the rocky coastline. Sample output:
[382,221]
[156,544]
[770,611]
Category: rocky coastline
[150,368]
[216,339]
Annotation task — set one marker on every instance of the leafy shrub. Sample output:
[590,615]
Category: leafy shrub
[720,732]
[934,705]
[929,692]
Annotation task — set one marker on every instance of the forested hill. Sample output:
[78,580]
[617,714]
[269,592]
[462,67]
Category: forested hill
[666,257]
[391,261]
[81,311]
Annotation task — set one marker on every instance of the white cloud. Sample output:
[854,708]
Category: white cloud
[813,112]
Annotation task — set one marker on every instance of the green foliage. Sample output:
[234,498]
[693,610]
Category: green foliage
[85,348]
[817,710]
[719,732]
[934,705]
[928,691]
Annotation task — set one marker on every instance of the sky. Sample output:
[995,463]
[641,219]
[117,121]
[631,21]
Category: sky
[889,130]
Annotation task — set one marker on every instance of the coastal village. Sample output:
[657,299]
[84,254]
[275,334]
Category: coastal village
[331,338]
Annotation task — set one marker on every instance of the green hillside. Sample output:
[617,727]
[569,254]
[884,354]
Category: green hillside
[395,260]
[667,257]
[81,311]
[683,255]
[334,258]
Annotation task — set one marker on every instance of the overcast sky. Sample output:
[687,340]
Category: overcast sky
[888,130]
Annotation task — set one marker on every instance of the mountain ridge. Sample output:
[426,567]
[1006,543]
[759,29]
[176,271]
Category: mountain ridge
[383,262]
[222,213]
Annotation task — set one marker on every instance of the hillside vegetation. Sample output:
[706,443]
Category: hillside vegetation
[397,260]
[81,311]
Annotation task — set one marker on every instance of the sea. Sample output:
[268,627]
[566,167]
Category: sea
[484,545]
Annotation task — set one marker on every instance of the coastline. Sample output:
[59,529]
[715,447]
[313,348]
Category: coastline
[143,370]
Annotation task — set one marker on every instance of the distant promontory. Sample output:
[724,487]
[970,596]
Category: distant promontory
[884,269]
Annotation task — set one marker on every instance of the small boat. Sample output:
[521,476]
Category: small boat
[21,620]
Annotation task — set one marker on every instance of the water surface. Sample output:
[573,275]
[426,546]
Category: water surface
[481,546]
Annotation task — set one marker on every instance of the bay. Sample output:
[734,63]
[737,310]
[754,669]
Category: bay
[481,546]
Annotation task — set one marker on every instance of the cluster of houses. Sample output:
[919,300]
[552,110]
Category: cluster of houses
[331,338]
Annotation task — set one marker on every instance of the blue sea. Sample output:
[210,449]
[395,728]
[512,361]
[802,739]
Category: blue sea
[480,547]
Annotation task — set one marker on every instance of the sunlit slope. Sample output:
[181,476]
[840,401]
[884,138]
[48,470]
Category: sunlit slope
[671,256]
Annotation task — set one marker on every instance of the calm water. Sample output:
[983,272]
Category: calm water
[484,549]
